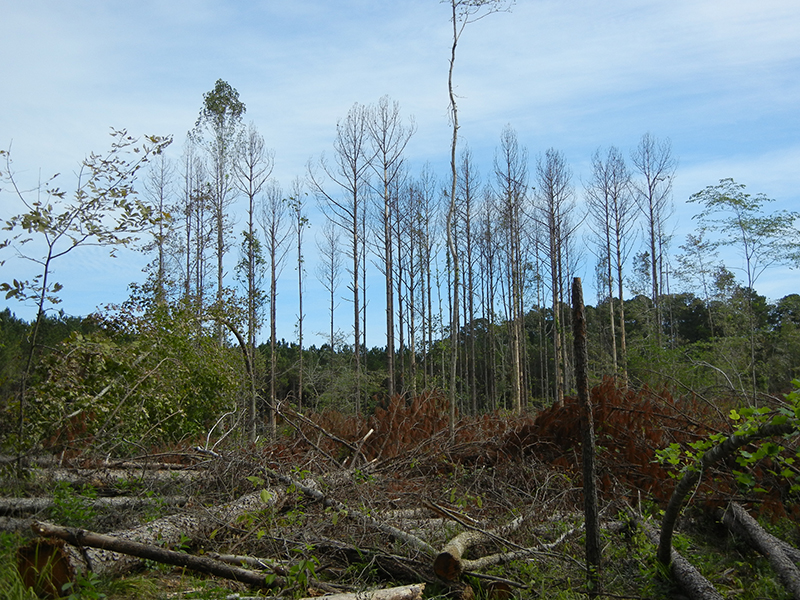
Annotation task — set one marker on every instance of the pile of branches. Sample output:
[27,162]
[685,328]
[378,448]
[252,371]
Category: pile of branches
[392,502]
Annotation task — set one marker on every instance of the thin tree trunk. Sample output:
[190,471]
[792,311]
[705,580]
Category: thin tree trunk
[587,441]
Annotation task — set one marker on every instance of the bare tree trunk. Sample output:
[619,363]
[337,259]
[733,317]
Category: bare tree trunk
[451,215]
[593,553]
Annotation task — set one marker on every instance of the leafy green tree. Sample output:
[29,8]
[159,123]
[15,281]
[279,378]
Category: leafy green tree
[763,240]
[784,346]
[150,374]
[104,210]
[697,265]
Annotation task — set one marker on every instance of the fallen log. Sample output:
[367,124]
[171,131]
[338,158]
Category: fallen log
[173,530]
[82,539]
[448,563]
[405,592]
[14,524]
[111,478]
[16,506]
[740,522]
[690,580]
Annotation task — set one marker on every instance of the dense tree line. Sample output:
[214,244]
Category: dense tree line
[500,248]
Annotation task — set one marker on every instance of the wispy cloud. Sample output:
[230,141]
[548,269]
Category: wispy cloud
[722,80]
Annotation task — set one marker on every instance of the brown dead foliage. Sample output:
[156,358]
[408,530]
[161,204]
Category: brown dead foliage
[495,466]
[410,435]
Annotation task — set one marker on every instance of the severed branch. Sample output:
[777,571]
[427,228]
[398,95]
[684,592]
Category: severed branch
[262,564]
[506,557]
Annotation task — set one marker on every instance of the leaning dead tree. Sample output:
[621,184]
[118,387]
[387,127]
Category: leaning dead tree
[690,580]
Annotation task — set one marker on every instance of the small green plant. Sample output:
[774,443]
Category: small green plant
[303,572]
[155,509]
[71,508]
[85,587]
[360,476]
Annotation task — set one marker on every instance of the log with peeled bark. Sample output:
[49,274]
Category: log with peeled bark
[16,506]
[739,521]
[405,592]
[111,478]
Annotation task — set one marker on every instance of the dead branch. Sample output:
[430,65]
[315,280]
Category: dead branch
[359,516]
[506,557]
[263,564]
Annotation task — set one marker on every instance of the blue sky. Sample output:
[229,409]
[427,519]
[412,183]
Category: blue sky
[720,80]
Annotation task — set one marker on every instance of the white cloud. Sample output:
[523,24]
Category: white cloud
[721,80]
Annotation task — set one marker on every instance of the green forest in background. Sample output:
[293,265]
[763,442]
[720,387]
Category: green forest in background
[480,314]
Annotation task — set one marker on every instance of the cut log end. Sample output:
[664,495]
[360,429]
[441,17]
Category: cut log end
[44,566]
[447,566]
